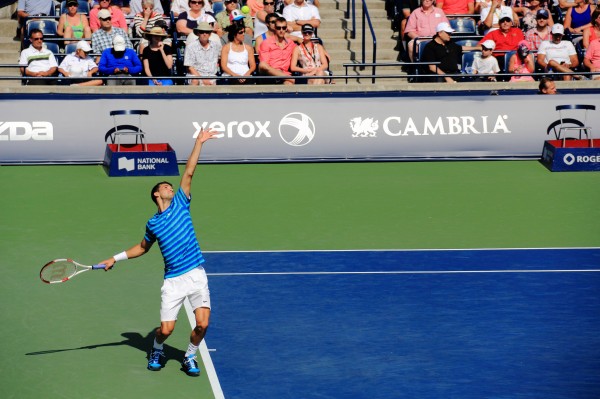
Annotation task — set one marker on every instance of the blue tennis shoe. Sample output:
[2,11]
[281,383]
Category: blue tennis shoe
[154,363]
[190,366]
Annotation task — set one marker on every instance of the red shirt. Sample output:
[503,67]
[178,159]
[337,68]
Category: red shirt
[505,42]
[275,56]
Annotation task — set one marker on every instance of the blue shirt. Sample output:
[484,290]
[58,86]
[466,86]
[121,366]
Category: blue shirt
[108,62]
[174,231]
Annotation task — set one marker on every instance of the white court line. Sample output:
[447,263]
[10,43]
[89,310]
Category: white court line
[209,367]
[397,250]
[405,272]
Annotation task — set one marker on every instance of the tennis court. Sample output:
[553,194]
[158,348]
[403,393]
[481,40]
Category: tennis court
[349,331]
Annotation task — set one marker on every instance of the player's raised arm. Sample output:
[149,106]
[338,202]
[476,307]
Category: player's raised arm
[190,167]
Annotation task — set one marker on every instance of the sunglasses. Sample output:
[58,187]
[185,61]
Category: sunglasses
[196,2]
[486,49]
[307,33]
[35,39]
[105,19]
[269,4]
[281,28]
[241,32]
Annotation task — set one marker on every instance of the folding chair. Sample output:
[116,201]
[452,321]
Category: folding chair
[564,127]
[127,130]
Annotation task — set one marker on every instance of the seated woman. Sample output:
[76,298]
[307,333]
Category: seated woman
[579,18]
[157,57]
[237,57]
[522,62]
[189,20]
[310,58]
[529,12]
[73,24]
[593,32]
[145,20]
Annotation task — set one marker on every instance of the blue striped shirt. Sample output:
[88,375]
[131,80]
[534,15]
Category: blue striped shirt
[174,231]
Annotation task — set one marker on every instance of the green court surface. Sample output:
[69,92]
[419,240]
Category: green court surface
[88,338]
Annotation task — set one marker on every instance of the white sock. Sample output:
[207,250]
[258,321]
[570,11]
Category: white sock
[157,345]
[191,350]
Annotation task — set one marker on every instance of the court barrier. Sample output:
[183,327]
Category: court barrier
[292,127]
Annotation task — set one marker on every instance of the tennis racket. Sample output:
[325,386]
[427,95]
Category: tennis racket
[62,270]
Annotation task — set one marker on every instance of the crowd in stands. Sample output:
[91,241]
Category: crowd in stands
[468,40]
[478,39]
[116,42]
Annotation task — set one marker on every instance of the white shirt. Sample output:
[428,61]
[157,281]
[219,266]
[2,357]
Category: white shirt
[559,52]
[77,67]
[37,61]
[304,12]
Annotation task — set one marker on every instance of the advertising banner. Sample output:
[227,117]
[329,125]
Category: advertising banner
[55,128]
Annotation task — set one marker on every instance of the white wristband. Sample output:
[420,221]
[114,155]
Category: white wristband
[120,256]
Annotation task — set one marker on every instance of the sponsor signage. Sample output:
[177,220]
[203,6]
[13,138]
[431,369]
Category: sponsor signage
[577,156]
[158,160]
[290,128]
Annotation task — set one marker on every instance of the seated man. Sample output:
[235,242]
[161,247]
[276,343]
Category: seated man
[37,60]
[558,55]
[119,61]
[422,23]
[80,65]
[507,37]
[275,54]
[443,50]
[103,37]
[202,56]
[300,13]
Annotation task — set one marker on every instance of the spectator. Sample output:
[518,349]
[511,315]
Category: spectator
[460,7]
[558,55]
[73,24]
[157,57]
[422,23]
[271,19]
[117,17]
[103,37]
[593,32]
[260,22]
[144,21]
[531,12]
[579,17]
[507,37]
[300,13]
[27,9]
[37,61]
[166,40]
[237,57]
[275,54]
[179,6]
[202,56]
[119,61]
[542,31]
[189,20]
[230,14]
[79,64]
[591,60]
[310,58]
[137,7]
[443,50]
[487,64]
[547,86]
[406,8]
[490,16]
[522,63]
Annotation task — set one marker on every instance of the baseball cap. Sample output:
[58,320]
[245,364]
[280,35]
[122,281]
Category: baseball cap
[444,26]
[104,13]
[72,2]
[83,45]
[119,43]
[235,15]
[505,18]
[542,14]
[558,29]
[308,28]
[489,44]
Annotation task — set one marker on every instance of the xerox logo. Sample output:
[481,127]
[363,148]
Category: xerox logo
[23,131]
[296,129]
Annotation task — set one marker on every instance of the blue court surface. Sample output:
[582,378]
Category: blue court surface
[509,323]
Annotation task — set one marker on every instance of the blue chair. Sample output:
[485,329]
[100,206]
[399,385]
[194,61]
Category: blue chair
[83,7]
[70,48]
[49,27]
[468,58]
[464,26]
[466,42]
[217,7]
[52,46]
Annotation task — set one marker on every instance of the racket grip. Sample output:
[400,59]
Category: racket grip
[96,267]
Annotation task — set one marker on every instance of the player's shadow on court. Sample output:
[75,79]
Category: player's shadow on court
[132,339]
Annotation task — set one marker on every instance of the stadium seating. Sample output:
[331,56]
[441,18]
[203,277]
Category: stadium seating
[463,26]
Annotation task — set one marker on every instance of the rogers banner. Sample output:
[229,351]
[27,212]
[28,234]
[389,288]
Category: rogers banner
[54,128]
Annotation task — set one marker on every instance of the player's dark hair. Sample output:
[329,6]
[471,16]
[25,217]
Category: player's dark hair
[155,189]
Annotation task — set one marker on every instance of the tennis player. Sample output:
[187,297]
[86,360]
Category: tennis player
[185,277]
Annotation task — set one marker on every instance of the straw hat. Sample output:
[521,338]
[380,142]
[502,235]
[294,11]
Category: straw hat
[155,31]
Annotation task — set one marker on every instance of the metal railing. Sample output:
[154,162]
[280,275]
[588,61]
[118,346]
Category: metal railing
[366,19]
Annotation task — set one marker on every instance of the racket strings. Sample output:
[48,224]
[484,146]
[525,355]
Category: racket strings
[58,271]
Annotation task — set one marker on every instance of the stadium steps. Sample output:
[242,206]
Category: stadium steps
[9,49]
[335,31]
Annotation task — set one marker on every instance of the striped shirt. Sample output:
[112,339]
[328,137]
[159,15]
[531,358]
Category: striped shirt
[37,60]
[174,231]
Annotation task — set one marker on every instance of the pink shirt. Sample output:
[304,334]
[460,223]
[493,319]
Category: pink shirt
[424,23]
[117,19]
[275,56]
[593,53]
[455,6]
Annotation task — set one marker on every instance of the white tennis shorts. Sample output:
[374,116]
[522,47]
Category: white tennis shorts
[192,285]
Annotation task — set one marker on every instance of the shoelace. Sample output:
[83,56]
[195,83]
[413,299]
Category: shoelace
[155,356]
[190,362]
